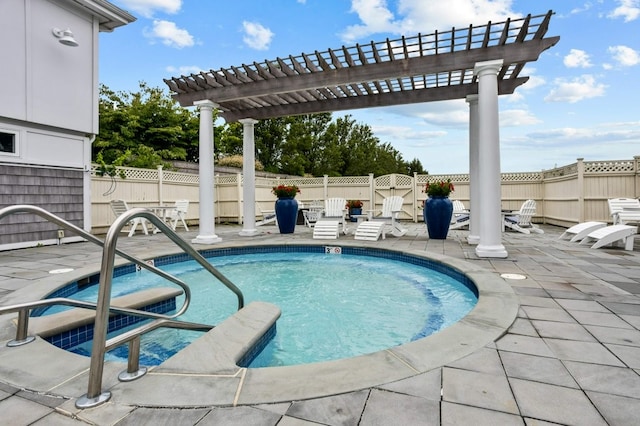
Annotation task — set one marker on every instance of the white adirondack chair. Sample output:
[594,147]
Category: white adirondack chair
[120,206]
[391,209]
[335,210]
[521,220]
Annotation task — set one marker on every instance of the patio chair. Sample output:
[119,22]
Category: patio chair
[391,209]
[312,214]
[612,235]
[521,220]
[119,207]
[370,230]
[335,210]
[268,216]
[326,230]
[179,213]
[460,217]
[624,210]
[581,230]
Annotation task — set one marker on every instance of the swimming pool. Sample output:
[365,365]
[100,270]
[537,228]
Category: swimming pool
[333,306]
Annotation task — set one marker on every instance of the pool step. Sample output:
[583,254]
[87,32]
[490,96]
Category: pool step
[220,350]
[54,324]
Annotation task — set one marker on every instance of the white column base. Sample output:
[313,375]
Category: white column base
[249,232]
[206,239]
[491,251]
[473,239]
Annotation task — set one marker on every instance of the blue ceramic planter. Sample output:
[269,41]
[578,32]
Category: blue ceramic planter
[437,215]
[354,211]
[286,214]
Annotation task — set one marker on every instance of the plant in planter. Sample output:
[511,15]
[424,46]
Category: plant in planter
[438,208]
[286,207]
[355,208]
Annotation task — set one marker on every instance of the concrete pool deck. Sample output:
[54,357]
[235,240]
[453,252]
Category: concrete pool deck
[572,356]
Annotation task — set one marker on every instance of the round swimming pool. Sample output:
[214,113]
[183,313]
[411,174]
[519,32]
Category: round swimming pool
[333,305]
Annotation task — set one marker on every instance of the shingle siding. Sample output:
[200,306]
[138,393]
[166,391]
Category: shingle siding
[55,190]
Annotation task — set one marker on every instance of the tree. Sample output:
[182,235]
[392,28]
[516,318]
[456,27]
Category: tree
[415,166]
[148,124]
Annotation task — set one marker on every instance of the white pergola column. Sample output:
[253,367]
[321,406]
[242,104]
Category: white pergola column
[207,234]
[474,160]
[489,202]
[248,178]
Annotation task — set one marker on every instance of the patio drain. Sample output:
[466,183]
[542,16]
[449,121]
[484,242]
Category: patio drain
[513,276]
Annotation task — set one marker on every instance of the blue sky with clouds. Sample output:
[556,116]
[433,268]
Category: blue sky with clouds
[581,99]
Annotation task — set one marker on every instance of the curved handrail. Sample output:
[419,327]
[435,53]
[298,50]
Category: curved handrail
[92,238]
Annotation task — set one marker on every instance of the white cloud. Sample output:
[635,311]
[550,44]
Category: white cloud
[629,10]
[575,90]
[625,56]
[577,59]
[170,35]
[414,16]
[184,69]
[517,117]
[147,8]
[256,36]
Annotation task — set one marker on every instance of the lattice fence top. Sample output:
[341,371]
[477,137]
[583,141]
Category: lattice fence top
[609,166]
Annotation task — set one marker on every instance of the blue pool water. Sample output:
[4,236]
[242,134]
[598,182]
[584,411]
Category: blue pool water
[333,306]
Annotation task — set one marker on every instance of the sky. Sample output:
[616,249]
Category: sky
[581,100]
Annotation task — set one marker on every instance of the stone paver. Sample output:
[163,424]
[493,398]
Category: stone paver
[572,357]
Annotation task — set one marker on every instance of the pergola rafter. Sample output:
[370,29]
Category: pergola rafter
[408,70]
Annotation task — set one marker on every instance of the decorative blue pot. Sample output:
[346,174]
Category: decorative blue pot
[354,211]
[437,215]
[286,214]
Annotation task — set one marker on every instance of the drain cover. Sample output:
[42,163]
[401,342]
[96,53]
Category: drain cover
[513,276]
[60,271]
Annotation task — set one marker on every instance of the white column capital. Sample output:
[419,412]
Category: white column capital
[488,67]
[246,121]
[472,99]
[205,104]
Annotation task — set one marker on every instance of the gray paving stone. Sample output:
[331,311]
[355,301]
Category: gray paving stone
[389,408]
[483,360]
[606,379]
[456,415]
[591,352]
[541,302]
[598,318]
[582,305]
[623,308]
[537,368]
[524,327]
[426,385]
[562,330]
[292,421]
[57,419]
[233,416]
[478,389]
[547,314]
[622,336]
[339,409]
[164,417]
[617,410]
[524,344]
[20,411]
[555,404]
[630,355]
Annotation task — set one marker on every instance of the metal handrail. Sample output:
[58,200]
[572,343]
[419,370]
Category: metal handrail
[94,396]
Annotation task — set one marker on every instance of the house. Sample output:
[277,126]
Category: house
[49,111]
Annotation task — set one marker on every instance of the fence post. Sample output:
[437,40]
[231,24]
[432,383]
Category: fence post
[372,192]
[414,201]
[581,213]
[325,185]
[636,172]
[160,182]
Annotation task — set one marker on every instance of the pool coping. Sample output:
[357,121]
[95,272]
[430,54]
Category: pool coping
[494,313]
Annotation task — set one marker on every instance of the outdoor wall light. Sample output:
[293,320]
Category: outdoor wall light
[66,37]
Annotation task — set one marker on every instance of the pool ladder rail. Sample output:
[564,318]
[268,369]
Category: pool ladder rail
[103,308]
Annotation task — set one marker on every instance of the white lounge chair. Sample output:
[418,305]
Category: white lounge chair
[611,235]
[326,230]
[391,209]
[581,230]
[119,207]
[335,210]
[370,230]
[268,216]
[624,210]
[178,214]
[521,220]
[312,214]
[460,217]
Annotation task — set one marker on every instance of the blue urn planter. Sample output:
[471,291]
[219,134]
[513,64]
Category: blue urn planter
[286,214]
[437,214]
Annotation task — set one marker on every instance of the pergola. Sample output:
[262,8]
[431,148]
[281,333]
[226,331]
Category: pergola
[476,63]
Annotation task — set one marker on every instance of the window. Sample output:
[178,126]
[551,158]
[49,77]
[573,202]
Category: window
[8,142]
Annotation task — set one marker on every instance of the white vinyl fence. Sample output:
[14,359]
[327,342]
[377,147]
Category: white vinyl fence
[565,195]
